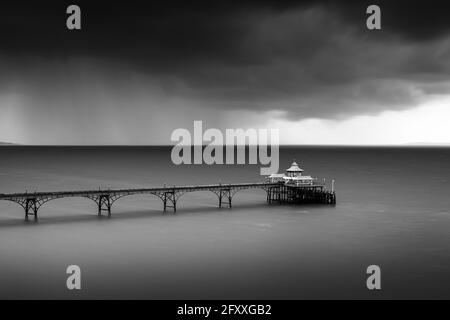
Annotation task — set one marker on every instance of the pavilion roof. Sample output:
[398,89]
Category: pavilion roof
[294,168]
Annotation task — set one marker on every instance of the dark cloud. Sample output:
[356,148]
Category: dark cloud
[303,58]
[414,20]
[192,29]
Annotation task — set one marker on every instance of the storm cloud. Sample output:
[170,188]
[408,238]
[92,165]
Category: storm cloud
[302,59]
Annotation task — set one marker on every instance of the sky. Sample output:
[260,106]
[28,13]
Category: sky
[138,70]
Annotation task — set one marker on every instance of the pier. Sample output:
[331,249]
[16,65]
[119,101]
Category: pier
[277,192]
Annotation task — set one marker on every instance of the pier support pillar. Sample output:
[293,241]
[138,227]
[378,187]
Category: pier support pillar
[273,194]
[104,204]
[31,208]
[170,201]
[225,193]
[333,198]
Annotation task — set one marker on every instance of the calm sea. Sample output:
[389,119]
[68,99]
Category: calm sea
[393,210]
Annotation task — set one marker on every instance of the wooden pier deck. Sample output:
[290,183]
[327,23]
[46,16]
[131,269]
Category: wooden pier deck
[276,193]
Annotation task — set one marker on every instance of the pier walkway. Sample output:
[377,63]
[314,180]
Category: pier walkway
[276,193]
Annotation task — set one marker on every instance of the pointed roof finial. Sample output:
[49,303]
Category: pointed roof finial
[294,168]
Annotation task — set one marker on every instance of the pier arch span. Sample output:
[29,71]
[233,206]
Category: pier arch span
[11,205]
[123,199]
[155,195]
[243,193]
[77,200]
[207,193]
[32,203]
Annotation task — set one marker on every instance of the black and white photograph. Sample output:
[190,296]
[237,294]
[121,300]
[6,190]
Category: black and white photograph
[204,152]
